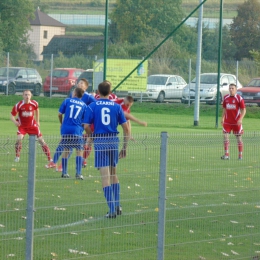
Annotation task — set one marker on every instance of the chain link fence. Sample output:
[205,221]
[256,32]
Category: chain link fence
[211,205]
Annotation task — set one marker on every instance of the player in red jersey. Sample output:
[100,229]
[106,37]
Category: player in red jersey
[126,104]
[234,110]
[27,123]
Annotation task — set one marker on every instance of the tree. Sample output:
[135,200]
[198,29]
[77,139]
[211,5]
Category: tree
[14,23]
[134,20]
[210,46]
[245,29]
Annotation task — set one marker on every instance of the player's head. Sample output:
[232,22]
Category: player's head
[108,83]
[78,92]
[232,89]
[128,101]
[27,94]
[104,88]
[83,83]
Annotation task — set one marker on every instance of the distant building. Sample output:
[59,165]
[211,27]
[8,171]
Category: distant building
[43,28]
[71,45]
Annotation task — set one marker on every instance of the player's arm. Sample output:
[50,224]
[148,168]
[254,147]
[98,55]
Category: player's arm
[37,116]
[134,119]
[60,118]
[126,132]
[242,115]
[87,129]
[223,116]
[13,119]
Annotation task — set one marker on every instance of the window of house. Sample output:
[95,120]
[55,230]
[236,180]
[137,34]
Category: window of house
[45,34]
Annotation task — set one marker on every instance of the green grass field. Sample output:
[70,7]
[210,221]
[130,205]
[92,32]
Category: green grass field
[212,206]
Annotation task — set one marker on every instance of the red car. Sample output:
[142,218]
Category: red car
[63,79]
[251,92]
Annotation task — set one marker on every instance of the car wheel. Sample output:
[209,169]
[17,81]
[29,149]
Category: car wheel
[46,94]
[258,104]
[37,90]
[71,90]
[184,101]
[160,98]
[11,89]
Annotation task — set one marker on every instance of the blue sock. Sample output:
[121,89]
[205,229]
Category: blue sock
[109,197]
[58,153]
[78,164]
[64,163]
[116,193]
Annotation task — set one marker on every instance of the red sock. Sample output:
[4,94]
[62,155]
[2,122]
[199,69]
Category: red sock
[226,147]
[18,148]
[240,147]
[46,150]
[87,151]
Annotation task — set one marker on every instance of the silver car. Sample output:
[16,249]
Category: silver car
[208,87]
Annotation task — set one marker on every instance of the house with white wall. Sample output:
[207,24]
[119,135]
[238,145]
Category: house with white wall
[43,28]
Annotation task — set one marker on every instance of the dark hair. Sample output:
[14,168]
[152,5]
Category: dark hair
[233,84]
[85,81]
[79,92]
[104,88]
[130,99]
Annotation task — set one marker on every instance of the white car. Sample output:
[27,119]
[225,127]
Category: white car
[208,88]
[162,86]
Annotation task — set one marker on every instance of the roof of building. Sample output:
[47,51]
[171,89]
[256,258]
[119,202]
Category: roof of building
[43,19]
[70,45]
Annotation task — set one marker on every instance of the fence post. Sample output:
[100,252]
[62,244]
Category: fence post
[30,197]
[162,195]
[51,75]
[7,72]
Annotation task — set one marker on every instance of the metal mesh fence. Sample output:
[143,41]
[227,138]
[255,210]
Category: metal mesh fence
[211,209]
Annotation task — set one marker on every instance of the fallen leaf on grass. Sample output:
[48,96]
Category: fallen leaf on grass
[233,221]
[56,208]
[19,199]
[234,253]
[225,254]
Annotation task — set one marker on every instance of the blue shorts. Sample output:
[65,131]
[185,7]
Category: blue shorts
[72,141]
[106,151]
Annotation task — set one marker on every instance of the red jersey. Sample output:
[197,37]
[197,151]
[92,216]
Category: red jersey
[120,101]
[111,96]
[233,104]
[25,112]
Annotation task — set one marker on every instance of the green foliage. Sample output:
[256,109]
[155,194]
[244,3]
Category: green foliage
[210,38]
[14,23]
[134,20]
[245,30]
[75,61]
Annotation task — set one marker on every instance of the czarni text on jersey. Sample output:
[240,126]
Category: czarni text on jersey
[77,102]
[110,103]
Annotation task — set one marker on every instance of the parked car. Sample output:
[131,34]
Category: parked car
[17,79]
[63,80]
[251,92]
[162,86]
[88,75]
[208,87]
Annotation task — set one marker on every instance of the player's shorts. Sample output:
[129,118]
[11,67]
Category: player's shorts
[236,129]
[72,141]
[106,151]
[31,130]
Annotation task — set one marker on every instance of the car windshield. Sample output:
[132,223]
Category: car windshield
[12,72]
[254,83]
[157,80]
[207,79]
[60,73]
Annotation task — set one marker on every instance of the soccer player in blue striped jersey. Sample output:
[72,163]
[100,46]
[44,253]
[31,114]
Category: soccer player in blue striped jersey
[106,115]
[74,111]
[87,99]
